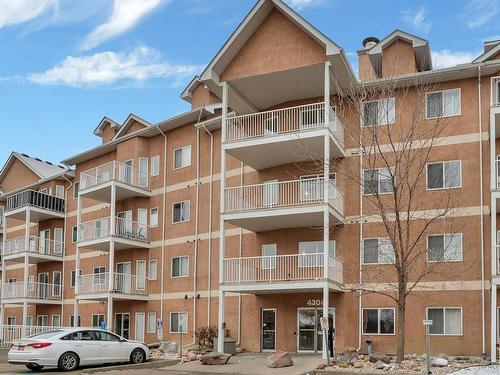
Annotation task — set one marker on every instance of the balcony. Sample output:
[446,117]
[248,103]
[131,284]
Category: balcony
[281,272]
[125,286]
[39,293]
[289,135]
[129,182]
[37,249]
[97,234]
[42,206]
[284,204]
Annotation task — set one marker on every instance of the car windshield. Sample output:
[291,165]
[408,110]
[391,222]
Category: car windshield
[45,335]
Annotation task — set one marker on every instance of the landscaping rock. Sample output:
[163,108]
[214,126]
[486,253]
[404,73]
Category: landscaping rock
[380,357]
[279,359]
[344,365]
[191,356]
[321,366]
[344,359]
[379,365]
[358,364]
[168,347]
[215,358]
[442,355]
[439,362]
[349,350]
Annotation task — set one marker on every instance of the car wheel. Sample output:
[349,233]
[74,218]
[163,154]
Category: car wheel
[34,367]
[68,362]
[137,356]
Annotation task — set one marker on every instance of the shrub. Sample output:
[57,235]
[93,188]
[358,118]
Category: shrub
[205,336]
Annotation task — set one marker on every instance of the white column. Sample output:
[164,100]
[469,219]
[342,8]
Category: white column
[26,265]
[492,151]
[493,325]
[111,265]
[77,258]
[494,254]
[2,307]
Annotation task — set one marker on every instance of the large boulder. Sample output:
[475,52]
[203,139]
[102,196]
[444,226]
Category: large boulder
[379,365]
[214,358]
[279,359]
[168,347]
[439,362]
[374,358]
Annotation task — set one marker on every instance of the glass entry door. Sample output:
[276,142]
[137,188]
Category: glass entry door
[122,325]
[310,336]
[268,330]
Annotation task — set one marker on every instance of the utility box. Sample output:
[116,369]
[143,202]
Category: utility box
[229,346]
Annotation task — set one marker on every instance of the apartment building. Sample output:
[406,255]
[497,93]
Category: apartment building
[222,215]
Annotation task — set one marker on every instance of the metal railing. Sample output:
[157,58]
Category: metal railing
[122,283]
[281,194]
[114,171]
[283,121]
[11,333]
[279,268]
[34,245]
[101,228]
[35,290]
[34,198]
[495,91]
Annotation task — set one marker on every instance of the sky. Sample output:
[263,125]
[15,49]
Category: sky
[64,64]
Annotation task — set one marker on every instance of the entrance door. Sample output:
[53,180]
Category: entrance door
[43,285]
[43,244]
[123,279]
[126,172]
[140,321]
[310,336]
[122,325]
[268,329]
[271,193]
[124,224]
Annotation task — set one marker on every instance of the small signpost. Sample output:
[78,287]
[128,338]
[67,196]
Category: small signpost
[427,325]
[323,321]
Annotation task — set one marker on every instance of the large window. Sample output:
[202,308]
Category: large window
[444,175]
[311,253]
[377,181]
[180,266]
[180,212]
[76,188]
[378,321]
[73,277]
[445,320]
[99,275]
[269,253]
[153,217]
[379,112]
[97,319]
[378,251]
[182,157]
[155,166]
[56,286]
[444,247]
[153,269]
[178,322]
[72,320]
[443,103]
[74,234]
[151,322]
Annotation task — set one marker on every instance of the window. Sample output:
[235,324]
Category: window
[140,281]
[153,270]
[105,336]
[99,275]
[11,320]
[58,240]
[377,251]
[444,175]
[76,188]
[180,212]
[42,320]
[97,319]
[377,181]
[445,320]
[79,336]
[178,322]
[73,277]
[56,286]
[74,232]
[444,247]
[153,217]
[182,157]
[378,321]
[269,252]
[180,266]
[443,103]
[56,320]
[60,191]
[151,322]
[155,165]
[311,253]
[72,320]
[379,112]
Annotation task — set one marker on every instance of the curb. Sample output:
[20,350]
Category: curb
[149,364]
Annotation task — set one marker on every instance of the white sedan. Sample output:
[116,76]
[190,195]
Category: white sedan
[70,348]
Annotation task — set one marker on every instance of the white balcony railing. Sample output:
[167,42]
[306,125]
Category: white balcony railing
[283,121]
[122,283]
[35,290]
[282,194]
[495,91]
[11,333]
[101,228]
[33,245]
[114,171]
[34,198]
[280,268]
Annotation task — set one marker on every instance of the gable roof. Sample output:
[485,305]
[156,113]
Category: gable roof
[488,54]
[104,122]
[43,169]
[128,122]
[420,47]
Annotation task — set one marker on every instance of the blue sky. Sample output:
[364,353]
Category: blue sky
[65,64]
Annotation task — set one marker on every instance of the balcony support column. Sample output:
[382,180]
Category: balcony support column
[493,325]
[77,258]
[26,265]
[326,308]
[493,166]
[495,263]
[112,242]
[109,323]
[4,240]
[220,324]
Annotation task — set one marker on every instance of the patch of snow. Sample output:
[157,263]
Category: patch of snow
[479,370]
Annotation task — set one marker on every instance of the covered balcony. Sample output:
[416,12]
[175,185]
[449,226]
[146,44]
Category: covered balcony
[283,204]
[287,135]
[36,248]
[42,206]
[125,286]
[37,293]
[281,272]
[126,234]
[129,182]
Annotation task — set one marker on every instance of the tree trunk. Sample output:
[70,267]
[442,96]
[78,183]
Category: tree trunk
[401,327]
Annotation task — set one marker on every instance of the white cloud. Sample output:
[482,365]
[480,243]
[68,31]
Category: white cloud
[301,4]
[106,68]
[21,11]
[417,19]
[481,12]
[446,58]
[124,16]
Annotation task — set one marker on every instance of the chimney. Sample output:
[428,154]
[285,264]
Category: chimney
[365,69]
[370,42]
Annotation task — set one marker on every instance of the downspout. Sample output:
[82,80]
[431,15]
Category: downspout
[210,224]
[240,255]
[197,214]
[360,293]
[483,325]
[165,138]
[64,245]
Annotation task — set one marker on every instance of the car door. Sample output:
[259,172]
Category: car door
[112,348]
[84,343]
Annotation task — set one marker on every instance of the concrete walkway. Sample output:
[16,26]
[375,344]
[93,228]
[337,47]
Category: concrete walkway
[248,364]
